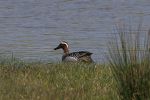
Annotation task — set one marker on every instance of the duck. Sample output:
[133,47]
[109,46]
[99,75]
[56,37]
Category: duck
[80,56]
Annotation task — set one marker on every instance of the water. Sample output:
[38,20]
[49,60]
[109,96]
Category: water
[32,28]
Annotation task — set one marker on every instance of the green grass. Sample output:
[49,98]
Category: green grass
[129,58]
[39,81]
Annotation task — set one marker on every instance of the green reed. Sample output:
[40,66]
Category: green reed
[129,59]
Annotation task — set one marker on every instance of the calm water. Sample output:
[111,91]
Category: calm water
[32,28]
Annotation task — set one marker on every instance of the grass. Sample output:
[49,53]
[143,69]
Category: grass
[126,77]
[39,81]
[130,64]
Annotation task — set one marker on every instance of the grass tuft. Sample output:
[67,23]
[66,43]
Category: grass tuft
[129,59]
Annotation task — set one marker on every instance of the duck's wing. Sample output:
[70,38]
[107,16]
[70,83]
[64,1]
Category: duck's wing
[84,56]
[84,53]
[80,54]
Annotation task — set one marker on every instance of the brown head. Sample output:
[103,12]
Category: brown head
[63,45]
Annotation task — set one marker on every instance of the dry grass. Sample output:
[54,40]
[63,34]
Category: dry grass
[37,81]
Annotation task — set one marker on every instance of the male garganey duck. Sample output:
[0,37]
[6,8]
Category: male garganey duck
[81,56]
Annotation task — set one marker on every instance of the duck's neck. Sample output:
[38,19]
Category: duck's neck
[66,50]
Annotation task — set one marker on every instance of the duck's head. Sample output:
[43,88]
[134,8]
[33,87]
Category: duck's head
[63,45]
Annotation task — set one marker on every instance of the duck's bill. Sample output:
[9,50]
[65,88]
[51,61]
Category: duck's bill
[56,48]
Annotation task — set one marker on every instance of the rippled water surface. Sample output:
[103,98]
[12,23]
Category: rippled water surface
[32,28]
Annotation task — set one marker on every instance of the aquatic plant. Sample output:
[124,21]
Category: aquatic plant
[129,59]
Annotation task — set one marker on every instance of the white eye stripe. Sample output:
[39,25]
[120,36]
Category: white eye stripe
[65,43]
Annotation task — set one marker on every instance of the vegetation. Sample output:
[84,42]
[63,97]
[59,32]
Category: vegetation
[126,77]
[130,64]
[39,81]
